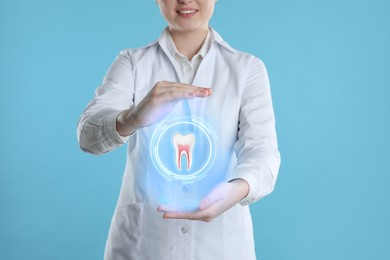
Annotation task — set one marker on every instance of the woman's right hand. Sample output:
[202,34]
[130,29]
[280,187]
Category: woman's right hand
[160,100]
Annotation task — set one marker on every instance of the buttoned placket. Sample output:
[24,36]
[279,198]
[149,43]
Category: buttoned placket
[187,68]
[181,228]
[186,71]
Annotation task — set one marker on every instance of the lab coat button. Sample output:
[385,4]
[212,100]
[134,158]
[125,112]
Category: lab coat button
[184,230]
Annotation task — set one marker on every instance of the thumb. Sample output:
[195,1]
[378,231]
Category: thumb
[205,203]
[215,195]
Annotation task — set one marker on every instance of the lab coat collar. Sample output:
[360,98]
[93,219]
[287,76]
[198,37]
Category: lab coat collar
[173,50]
[214,38]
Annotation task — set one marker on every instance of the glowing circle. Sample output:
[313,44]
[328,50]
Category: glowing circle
[163,155]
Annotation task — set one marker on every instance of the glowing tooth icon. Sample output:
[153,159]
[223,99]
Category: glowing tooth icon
[184,145]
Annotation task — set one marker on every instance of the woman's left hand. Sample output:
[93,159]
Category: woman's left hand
[220,199]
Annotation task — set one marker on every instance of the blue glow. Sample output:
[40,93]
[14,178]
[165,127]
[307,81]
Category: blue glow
[162,150]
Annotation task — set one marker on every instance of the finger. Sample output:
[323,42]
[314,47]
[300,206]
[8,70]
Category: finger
[168,86]
[197,91]
[206,91]
[203,215]
[194,215]
[167,208]
[173,95]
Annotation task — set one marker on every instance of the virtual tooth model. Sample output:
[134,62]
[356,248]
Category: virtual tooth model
[184,145]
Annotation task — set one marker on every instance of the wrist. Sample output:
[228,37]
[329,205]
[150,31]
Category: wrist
[242,187]
[126,123]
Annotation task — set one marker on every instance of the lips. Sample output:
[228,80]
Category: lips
[184,145]
[186,12]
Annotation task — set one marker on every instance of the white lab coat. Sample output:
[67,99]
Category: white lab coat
[241,114]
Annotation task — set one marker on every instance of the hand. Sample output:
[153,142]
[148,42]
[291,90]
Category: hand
[160,100]
[220,199]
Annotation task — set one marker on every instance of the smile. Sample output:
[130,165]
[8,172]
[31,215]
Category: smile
[187,12]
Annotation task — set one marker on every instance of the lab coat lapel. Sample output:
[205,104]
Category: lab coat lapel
[203,78]
[166,52]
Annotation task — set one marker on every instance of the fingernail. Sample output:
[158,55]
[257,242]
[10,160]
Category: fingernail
[205,92]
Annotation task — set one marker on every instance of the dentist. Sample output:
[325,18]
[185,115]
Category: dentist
[190,61]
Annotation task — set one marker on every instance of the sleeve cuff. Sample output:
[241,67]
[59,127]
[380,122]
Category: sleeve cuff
[110,126]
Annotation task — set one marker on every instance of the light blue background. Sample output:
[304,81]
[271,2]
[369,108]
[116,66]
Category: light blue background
[329,64]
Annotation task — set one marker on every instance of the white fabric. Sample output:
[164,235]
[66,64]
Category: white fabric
[186,69]
[241,113]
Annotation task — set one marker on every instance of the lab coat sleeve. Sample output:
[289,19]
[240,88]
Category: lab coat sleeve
[256,149]
[96,131]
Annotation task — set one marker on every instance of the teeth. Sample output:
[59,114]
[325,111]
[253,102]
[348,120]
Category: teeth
[184,145]
[187,12]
